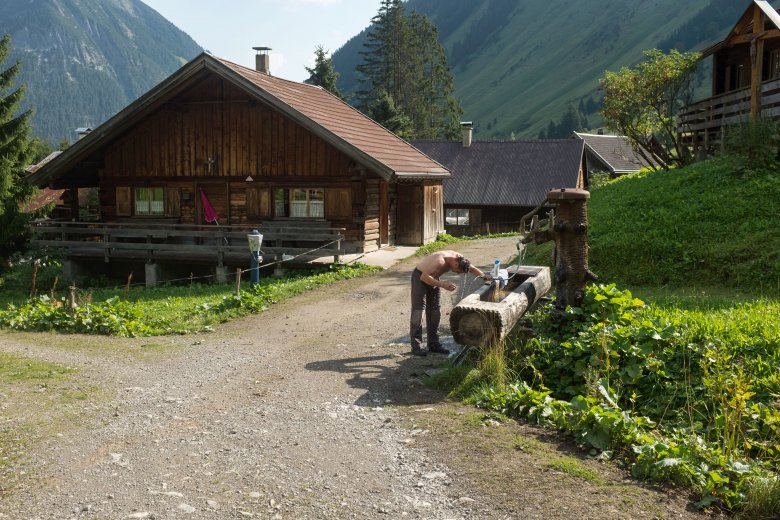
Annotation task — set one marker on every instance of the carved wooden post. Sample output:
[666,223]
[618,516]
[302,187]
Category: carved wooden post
[570,233]
[571,246]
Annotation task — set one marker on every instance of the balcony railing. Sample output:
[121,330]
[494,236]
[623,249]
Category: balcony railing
[154,241]
[702,124]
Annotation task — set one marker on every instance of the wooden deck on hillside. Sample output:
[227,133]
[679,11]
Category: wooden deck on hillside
[702,124]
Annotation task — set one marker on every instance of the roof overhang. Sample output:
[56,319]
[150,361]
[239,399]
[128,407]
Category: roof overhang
[737,33]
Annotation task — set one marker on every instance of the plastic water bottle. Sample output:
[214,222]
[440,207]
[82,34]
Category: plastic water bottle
[496,268]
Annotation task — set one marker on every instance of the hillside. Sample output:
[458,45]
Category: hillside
[84,60]
[705,226]
[517,65]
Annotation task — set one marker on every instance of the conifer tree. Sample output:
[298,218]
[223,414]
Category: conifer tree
[323,74]
[15,154]
[403,58]
[385,112]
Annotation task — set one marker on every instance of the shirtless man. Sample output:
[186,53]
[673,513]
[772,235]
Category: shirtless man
[425,296]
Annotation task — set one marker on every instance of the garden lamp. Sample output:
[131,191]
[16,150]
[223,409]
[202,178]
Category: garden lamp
[255,240]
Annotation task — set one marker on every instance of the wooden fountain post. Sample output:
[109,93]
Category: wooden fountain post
[569,231]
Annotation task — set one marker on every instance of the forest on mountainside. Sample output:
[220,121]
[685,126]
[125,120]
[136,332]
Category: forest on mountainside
[519,66]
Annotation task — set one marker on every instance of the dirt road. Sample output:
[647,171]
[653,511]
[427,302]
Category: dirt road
[312,409]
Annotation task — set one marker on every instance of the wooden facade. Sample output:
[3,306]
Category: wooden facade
[745,80]
[216,134]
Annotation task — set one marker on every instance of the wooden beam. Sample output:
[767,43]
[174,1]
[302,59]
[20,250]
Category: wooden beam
[756,59]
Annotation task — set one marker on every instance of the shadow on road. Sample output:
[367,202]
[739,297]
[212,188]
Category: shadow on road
[388,379]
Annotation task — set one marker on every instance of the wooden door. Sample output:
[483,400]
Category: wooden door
[384,214]
[409,215]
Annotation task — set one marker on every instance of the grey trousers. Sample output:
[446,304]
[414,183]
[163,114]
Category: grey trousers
[424,298]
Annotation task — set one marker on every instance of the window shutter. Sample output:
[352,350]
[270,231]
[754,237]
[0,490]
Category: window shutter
[123,202]
[338,202]
[172,202]
[258,203]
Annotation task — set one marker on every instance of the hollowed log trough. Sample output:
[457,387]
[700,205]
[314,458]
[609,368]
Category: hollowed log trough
[489,313]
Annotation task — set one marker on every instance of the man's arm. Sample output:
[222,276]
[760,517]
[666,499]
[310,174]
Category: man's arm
[476,272]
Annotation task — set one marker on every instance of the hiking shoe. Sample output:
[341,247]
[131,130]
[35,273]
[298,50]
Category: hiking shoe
[419,352]
[438,349]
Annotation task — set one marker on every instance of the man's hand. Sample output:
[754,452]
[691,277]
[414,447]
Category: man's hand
[487,277]
[448,286]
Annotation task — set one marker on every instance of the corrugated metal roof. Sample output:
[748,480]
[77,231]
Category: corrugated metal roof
[505,173]
[615,151]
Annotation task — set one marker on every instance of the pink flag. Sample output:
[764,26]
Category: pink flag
[208,210]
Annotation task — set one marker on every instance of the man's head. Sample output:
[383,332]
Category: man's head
[463,264]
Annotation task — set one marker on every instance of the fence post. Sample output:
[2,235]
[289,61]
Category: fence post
[238,282]
[72,298]
[127,287]
[33,288]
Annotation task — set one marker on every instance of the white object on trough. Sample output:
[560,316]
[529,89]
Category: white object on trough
[477,319]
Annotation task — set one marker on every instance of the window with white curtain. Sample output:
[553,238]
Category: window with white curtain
[150,201]
[299,202]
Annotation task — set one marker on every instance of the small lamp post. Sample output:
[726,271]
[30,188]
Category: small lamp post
[255,239]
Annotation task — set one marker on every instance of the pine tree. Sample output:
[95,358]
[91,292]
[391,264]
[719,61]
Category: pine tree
[323,74]
[15,154]
[385,112]
[403,58]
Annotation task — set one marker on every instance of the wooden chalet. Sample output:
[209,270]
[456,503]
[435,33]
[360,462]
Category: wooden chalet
[495,183]
[217,139]
[745,79]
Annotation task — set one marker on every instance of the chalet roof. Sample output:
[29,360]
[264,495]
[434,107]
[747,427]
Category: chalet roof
[44,196]
[325,115]
[745,26]
[505,173]
[319,106]
[614,151]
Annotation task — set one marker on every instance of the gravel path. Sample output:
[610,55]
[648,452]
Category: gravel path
[304,411]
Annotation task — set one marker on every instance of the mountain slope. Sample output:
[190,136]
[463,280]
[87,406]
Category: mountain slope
[84,60]
[517,65]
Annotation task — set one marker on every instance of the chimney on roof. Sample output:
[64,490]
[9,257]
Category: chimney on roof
[466,129]
[82,132]
[262,60]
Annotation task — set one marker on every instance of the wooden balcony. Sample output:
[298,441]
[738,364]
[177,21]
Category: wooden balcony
[702,124]
[156,242]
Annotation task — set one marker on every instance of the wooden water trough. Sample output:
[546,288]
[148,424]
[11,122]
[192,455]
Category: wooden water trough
[490,313]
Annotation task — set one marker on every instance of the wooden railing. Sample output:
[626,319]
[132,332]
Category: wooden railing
[152,241]
[702,124]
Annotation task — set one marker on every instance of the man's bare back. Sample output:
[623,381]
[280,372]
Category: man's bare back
[436,264]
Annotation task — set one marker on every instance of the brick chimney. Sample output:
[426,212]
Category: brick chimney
[466,129]
[262,60]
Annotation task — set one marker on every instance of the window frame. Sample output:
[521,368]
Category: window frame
[152,202]
[310,206]
[460,219]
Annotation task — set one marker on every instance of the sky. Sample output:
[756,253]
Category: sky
[292,28]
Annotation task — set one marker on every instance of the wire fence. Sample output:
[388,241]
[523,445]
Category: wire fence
[191,278]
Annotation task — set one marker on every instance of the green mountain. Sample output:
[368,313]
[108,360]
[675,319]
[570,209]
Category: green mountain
[519,64]
[84,60]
